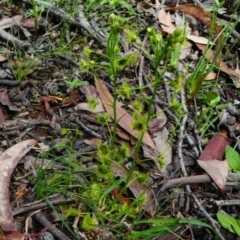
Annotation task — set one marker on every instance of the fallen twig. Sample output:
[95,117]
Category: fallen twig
[33,207]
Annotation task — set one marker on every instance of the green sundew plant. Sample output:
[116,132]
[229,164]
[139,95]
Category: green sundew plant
[61,218]
[162,51]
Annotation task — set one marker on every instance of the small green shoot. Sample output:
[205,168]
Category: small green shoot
[35,12]
[25,66]
[209,114]
[75,83]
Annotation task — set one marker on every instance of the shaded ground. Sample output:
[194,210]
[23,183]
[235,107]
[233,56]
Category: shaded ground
[106,108]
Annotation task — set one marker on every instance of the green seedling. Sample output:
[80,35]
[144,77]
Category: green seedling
[25,67]
[36,13]
[75,83]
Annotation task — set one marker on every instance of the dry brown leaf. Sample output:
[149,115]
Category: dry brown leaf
[124,119]
[9,22]
[85,106]
[90,92]
[29,23]
[198,13]
[2,58]
[194,11]
[209,55]
[8,161]
[4,99]
[158,123]
[143,7]
[168,27]
[13,235]
[210,76]
[217,170]
[197,39]
[215,148]
[165,19]
[92,141]
[2,117]
[163,146]
[122,134]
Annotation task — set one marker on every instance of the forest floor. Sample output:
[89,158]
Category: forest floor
[119,119]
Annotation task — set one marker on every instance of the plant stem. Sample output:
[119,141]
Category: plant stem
[111,48]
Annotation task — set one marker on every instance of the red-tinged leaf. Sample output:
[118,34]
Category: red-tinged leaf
[137,189]
[116,193]
[8,161]
[123,117]
[20,193]
[194,11]
[215,149]
[198,13]
[4,99]
[217,170]
[2,118]
[46,101]
[12,235]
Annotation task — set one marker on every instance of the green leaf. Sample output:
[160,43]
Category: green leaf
[233,158]
[75,83]
[230,223]
[212,98]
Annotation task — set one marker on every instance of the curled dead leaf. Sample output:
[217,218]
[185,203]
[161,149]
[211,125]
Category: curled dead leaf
[8,161]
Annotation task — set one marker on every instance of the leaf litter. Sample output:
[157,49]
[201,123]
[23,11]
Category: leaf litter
[69,130]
